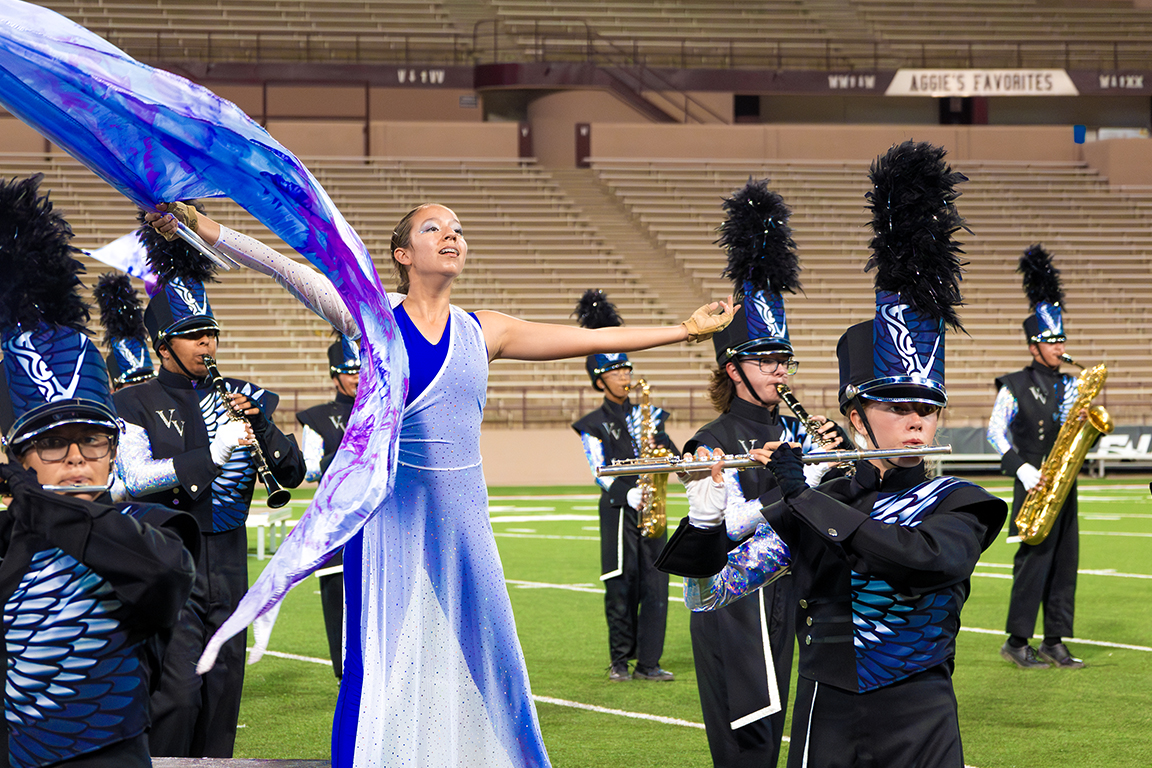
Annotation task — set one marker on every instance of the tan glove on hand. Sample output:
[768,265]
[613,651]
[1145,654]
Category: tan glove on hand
[704,323]
[185,214]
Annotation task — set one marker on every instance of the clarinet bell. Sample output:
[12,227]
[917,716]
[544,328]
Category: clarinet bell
[277,495]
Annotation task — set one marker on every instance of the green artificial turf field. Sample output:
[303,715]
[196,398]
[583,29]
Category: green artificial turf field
[548,539]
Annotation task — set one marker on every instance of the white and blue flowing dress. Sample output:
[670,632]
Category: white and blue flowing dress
[433,671]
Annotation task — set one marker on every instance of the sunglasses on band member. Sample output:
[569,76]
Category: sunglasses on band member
[54,449]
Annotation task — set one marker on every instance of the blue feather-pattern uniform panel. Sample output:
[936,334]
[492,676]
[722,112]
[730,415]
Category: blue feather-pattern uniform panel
[73,682]
[231,489]
[896,635]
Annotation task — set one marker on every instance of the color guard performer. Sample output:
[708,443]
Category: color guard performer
[743,652]
[635,592]
[87,585]
[184,447]
[882,559]
[1031,405]
[323,428]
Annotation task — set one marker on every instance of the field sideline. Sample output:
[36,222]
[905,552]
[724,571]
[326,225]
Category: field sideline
[548,539]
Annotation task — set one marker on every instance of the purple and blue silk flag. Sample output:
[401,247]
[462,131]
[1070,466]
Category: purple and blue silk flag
[157,137]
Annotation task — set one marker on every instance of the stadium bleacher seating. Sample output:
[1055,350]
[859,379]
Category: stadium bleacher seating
[533,250]
[850,34]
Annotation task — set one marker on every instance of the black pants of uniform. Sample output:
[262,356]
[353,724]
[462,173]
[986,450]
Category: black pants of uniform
[194,715]
[910,724]
[732,674]
[332,602]
[1045,574]
[636,601]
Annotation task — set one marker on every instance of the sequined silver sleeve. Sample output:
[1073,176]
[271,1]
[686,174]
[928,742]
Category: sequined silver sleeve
[759,560]
[313,450]
[310,288]
[594,452]
[1003,411]
[741,515]
[141,473]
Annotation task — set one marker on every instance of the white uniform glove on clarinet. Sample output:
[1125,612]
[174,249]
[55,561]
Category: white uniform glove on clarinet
[1028,475]
[706,502]
[228,437]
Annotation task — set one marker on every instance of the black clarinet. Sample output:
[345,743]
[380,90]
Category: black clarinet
[278,496]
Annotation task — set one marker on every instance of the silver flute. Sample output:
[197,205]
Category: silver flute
[745,461]
[76,488]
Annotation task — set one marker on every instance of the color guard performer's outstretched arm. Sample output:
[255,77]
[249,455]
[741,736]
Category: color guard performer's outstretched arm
[507,337]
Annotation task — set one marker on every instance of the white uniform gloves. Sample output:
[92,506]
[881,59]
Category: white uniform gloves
[1028,475]
[635,497]
[706,502]
[228,437]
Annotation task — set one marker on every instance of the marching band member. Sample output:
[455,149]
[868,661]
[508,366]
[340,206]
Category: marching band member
[88,585]
[1031,405]
[743,651]
[183,448]
[881,560]
[635,592]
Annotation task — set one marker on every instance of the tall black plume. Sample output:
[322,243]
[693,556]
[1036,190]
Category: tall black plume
[756,235]
[914,219]
[120,310]
[1041,279]
[175,258]
[40,274]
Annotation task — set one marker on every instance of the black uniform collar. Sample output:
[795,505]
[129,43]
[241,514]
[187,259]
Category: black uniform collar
[1044,370]
[180,381]
[754,411]
[619,409]
[898,479]
[344,399]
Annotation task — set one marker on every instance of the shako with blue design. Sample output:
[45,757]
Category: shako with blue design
[179,303]
[343,356]
[763,265]
[125,336]
[898,356]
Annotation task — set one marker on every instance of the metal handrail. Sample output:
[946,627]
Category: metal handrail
[585,44]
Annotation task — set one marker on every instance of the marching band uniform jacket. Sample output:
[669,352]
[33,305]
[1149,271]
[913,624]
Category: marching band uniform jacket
[85,587]
[179,418]
[881,570]
[612,432]
[326,423]
[1042,397]
[165,458]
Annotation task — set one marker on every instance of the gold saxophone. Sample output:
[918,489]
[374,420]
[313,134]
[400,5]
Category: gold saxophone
[654,487]
[1036,517]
